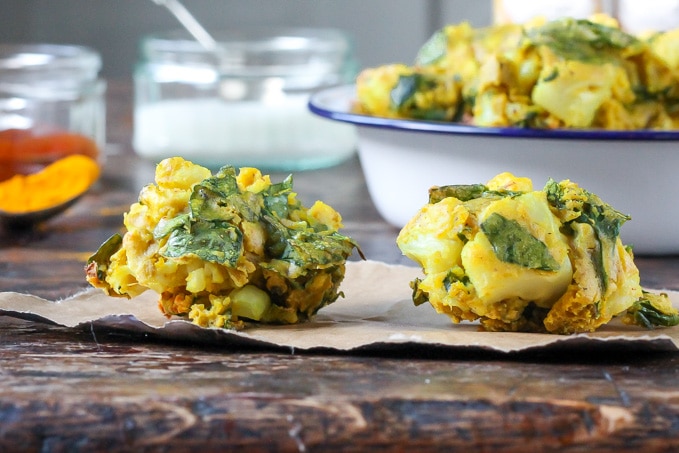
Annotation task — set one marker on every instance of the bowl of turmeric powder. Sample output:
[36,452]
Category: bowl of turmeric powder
[27,200]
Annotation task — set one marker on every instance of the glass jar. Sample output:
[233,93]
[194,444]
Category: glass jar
[243,103]
[51,105]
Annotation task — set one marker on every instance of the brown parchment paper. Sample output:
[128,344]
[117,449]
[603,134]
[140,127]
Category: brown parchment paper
[377,311]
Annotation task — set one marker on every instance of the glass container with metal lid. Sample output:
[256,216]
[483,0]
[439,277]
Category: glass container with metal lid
[243,103]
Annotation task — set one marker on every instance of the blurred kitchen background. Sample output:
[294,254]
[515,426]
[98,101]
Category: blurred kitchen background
[384,31]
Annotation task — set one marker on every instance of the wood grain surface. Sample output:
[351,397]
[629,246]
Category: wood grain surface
[95,390]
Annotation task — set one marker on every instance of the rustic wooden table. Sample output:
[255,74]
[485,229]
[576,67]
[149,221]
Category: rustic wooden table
[83,390]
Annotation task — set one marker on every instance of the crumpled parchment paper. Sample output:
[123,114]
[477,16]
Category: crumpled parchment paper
[377,311]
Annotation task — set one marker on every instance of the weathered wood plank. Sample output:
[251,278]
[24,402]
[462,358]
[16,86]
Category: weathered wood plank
[87,390]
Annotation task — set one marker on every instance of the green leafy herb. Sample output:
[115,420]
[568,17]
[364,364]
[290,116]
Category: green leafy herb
[579,39]
[453,277]
[167,226]
[644,313]
[210,229]
[433,50]
[529,120]
[467,192]
[404,90]
[513,243]
[419,296]
[276,198]
[102,256]
[211,240]
[432,114]
[402,96]
[591,210]
[108,248]
[461,192]
[293,251]
[552,76]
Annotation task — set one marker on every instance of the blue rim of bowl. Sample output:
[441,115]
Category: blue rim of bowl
[334,103]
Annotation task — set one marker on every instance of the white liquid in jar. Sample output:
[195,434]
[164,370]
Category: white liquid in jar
[214,132]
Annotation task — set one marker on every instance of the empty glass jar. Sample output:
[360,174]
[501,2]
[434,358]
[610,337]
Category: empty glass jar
[243,103]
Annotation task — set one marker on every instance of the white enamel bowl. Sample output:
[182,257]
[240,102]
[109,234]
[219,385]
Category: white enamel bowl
[637,172]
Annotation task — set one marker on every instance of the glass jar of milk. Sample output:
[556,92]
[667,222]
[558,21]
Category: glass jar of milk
[243,103]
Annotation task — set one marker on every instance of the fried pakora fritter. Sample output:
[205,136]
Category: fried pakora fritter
[565,73]
[519,259]
[225,249]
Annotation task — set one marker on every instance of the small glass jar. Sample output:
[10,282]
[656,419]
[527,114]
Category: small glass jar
[51,105]
[243,103]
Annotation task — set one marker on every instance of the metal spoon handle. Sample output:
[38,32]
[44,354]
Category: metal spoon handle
[189,22]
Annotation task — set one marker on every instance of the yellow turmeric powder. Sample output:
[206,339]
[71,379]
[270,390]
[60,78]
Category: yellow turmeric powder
[57,183]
